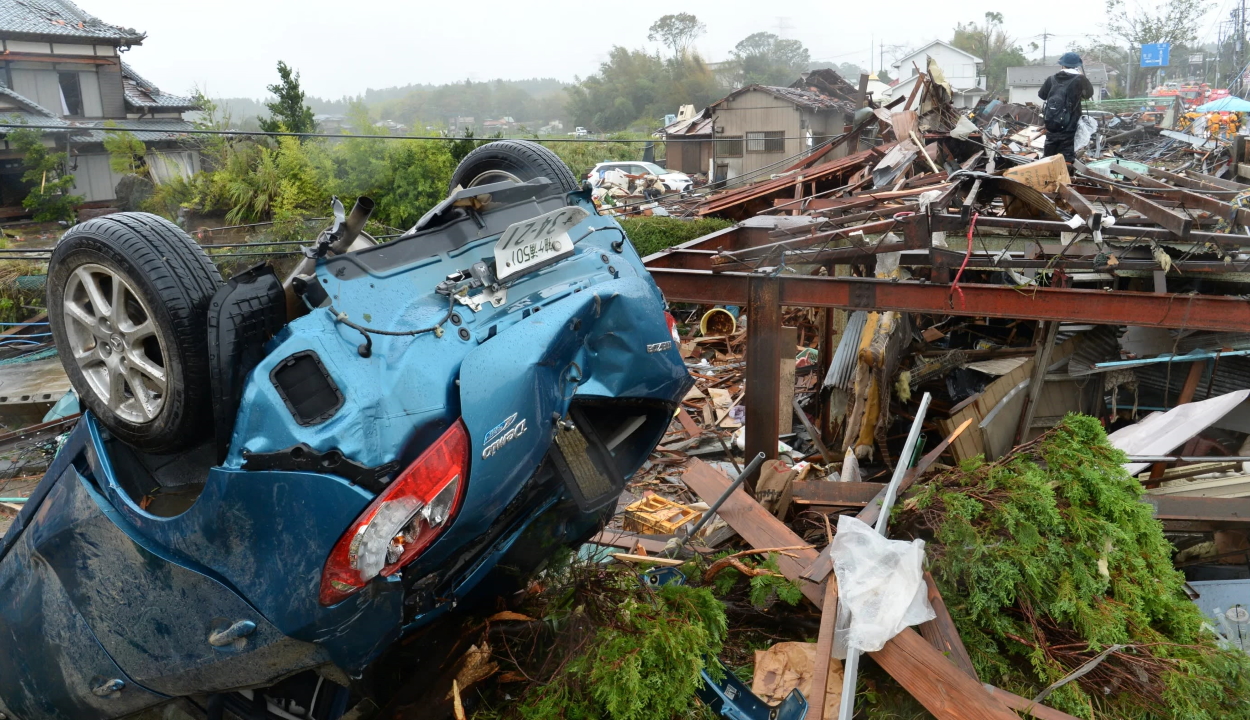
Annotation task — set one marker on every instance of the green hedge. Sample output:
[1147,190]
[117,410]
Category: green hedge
[652,234]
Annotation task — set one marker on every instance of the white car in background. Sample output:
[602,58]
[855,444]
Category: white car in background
[675,181]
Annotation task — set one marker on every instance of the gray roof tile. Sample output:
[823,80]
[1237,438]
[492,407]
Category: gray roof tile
[60,19]
[144,95]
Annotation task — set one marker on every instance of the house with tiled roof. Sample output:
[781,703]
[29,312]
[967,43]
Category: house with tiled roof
[61,70]
[758,127]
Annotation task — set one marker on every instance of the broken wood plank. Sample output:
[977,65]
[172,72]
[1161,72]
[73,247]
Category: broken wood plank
[755,524]
[1026,706]
[942,633]
[653,559]
[1217,511]
[629,541]
[936,683]
[824,651]
[688,424]
[837,494]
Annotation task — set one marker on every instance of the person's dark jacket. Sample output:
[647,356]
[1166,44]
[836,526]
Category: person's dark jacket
[1058,83]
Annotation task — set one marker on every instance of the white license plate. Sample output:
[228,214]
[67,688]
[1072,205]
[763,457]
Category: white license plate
[534,243]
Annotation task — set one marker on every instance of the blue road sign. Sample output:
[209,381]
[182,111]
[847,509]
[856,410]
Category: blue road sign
[1155,54]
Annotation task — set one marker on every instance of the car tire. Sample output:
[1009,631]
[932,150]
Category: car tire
[128,298]
[515,160]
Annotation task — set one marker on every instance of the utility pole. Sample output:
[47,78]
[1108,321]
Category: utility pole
[1045,37]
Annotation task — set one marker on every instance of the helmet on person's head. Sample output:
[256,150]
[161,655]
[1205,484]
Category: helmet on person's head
[1070,60]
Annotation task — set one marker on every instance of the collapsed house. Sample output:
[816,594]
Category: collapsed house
[937,274]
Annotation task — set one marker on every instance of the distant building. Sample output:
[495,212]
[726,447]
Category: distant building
[962,71]
[457,125]
[61,67]
[688,141]
[759,127]
[1024,82]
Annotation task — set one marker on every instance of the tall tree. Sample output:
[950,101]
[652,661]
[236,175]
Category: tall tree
[635,87]
[997,50]
[288,111]
[1167,21]
[763,58]
[677,32]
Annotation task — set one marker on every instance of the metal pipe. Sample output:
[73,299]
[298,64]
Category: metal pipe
[850,670]
[751,468]
[353,225]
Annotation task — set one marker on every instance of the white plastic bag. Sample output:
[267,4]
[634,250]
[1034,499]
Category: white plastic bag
[881,588]
[1085,129]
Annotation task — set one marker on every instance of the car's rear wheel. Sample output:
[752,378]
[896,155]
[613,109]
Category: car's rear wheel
[514,160]
[128,296]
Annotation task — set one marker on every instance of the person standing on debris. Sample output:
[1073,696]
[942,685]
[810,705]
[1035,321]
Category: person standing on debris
[1063,93]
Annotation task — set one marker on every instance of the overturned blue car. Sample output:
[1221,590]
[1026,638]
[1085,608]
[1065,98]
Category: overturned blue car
[275,480]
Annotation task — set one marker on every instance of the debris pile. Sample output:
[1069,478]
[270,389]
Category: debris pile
[1040,368]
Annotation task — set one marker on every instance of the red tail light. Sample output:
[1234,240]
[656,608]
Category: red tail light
[403,520]
[672,328]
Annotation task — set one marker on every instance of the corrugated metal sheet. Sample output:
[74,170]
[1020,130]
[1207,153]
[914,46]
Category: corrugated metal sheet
[1231,374]
[1213,341]
[1100,344]
[842,368]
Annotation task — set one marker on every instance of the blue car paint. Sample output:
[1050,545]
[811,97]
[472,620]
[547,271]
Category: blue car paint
[254,542]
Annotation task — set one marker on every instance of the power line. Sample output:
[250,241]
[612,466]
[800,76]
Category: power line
[443,138]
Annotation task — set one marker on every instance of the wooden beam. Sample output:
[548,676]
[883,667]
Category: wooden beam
[1218,208]
[942,633]
[756,525]
[67,59]
[824,651]
[936,683]
[835,494]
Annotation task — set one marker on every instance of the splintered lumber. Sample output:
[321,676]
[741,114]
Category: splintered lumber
[942,633]
[942,688]
[936,683]
[755,524]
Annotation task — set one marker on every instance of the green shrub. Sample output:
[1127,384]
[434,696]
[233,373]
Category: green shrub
[1048,557]
[653,234]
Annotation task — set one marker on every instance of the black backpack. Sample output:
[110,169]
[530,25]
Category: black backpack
[1059,110]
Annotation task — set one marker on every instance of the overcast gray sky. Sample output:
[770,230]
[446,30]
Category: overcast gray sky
[230,47]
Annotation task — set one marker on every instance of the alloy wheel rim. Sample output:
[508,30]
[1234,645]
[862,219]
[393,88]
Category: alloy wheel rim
[114,342]
[494,176]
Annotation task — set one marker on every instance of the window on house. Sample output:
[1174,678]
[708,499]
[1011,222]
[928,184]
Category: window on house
[766,142]
[71,94]
[729,146]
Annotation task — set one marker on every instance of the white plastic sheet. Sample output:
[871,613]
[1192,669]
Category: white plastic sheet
[881,588]
[1085,129]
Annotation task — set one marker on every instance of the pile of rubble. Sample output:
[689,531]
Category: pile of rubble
[925,293]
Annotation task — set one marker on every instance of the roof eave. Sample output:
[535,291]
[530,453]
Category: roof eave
[74,39]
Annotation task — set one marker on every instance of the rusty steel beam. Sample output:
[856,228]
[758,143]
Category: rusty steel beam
[763,371]
[1178,224]
[1082,206]
[1101,307]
